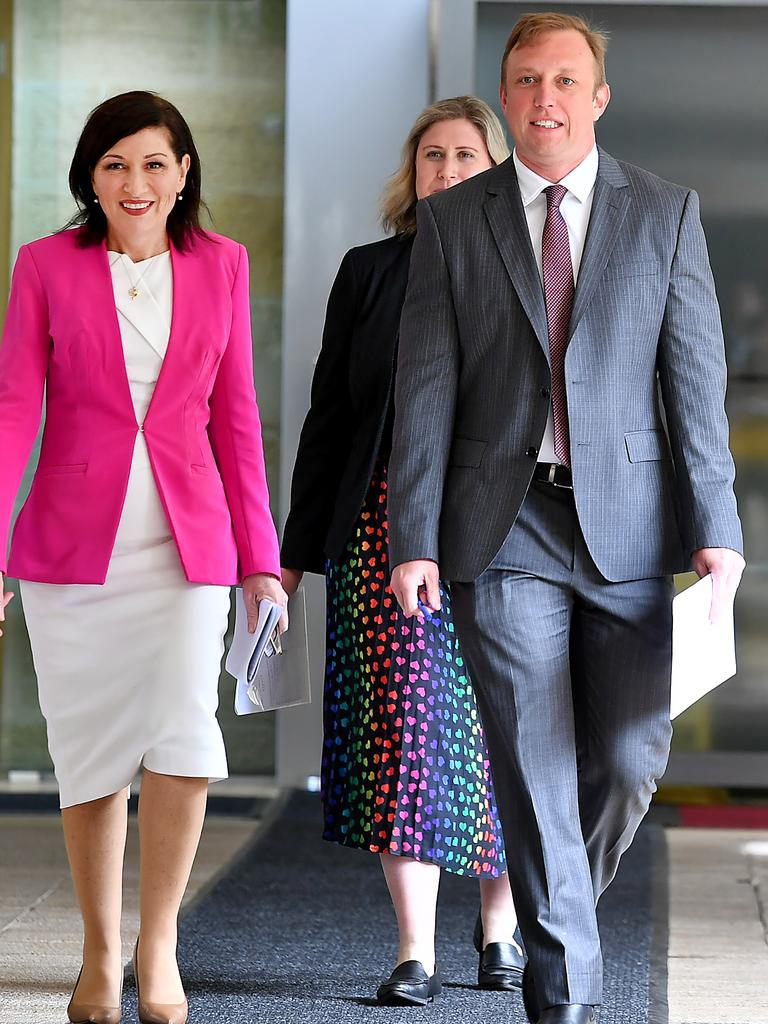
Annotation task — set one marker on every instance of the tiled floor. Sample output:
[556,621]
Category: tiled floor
[718,941]
[718,898]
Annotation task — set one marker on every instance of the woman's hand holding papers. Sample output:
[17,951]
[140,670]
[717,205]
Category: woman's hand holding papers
[257,586]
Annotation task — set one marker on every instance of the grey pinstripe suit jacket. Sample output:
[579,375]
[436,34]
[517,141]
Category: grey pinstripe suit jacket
[645,375]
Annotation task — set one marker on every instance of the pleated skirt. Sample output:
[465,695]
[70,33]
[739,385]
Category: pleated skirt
[405,769]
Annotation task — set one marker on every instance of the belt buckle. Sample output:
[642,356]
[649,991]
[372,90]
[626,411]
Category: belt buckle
[553,467]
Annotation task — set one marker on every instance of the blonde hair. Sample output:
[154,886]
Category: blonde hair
[530,26]
[398,203]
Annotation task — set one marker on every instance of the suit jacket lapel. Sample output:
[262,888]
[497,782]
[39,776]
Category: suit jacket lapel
[609,208]
[506,217]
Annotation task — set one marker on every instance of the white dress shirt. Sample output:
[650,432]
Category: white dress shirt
[575,208]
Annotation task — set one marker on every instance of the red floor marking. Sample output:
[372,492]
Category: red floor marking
[724,817]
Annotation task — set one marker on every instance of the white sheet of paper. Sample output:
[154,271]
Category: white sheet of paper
[276,680]
[703,655]
[243,645]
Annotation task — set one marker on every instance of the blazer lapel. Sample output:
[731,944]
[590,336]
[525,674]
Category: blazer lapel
[506,217]
[110,355]
[609,208]
[181,264]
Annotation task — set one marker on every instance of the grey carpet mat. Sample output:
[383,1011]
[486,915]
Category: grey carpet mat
[301,930]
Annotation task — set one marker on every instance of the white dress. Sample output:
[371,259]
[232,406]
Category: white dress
[128,671]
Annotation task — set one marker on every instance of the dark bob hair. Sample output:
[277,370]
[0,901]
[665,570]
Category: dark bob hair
[115,119]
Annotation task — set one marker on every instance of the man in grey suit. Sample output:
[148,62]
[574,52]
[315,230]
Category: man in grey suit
[560,450]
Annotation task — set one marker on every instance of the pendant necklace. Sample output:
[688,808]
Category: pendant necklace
[133,291]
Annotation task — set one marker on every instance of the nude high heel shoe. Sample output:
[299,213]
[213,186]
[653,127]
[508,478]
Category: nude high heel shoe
[88,1013]
[157,1013]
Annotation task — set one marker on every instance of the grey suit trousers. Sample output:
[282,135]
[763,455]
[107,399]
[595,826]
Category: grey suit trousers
[572,676]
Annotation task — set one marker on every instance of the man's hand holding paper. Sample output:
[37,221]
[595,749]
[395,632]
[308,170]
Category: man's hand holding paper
[725,566]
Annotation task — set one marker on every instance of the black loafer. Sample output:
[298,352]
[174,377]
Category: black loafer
[409,985]
[501,967]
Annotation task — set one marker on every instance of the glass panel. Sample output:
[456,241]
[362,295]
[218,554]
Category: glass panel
[689,104]
[222,64]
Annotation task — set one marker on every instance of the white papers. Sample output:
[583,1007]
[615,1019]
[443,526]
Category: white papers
[703,655]
[247,649]
[272,671]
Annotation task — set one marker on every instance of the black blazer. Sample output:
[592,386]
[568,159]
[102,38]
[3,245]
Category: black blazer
[352,390]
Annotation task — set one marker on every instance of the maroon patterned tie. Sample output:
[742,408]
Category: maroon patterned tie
[557,271]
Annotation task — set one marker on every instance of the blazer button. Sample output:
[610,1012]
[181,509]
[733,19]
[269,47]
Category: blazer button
[141,428]
[532,452]
[545,392]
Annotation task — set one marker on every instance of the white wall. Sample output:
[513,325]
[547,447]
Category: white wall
[357,75]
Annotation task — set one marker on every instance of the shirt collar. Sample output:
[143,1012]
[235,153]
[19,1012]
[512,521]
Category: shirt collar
[579,182]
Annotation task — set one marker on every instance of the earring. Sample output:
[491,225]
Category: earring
[179,197]
[96,200]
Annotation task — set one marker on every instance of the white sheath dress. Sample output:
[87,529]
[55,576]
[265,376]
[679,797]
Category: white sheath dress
[128,671]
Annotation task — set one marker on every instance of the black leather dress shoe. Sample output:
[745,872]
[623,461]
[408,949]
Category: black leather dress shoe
[568,1013]
[501,965]
[409,985]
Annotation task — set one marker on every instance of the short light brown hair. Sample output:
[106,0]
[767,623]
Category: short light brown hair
[398,204]
[531,26]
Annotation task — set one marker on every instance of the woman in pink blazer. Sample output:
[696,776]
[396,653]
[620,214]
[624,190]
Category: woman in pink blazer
[149,501]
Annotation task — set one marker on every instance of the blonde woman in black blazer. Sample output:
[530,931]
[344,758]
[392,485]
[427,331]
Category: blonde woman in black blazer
[405,770]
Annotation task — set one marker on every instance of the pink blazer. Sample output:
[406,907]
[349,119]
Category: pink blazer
[202,428]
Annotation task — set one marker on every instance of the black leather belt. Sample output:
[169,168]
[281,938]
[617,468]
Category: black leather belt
[553,473]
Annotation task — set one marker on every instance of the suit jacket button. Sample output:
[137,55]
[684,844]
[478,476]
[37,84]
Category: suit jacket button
[532,452]
[141,427]
[545,392]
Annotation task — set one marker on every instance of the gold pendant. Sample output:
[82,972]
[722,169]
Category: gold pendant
[133,292]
